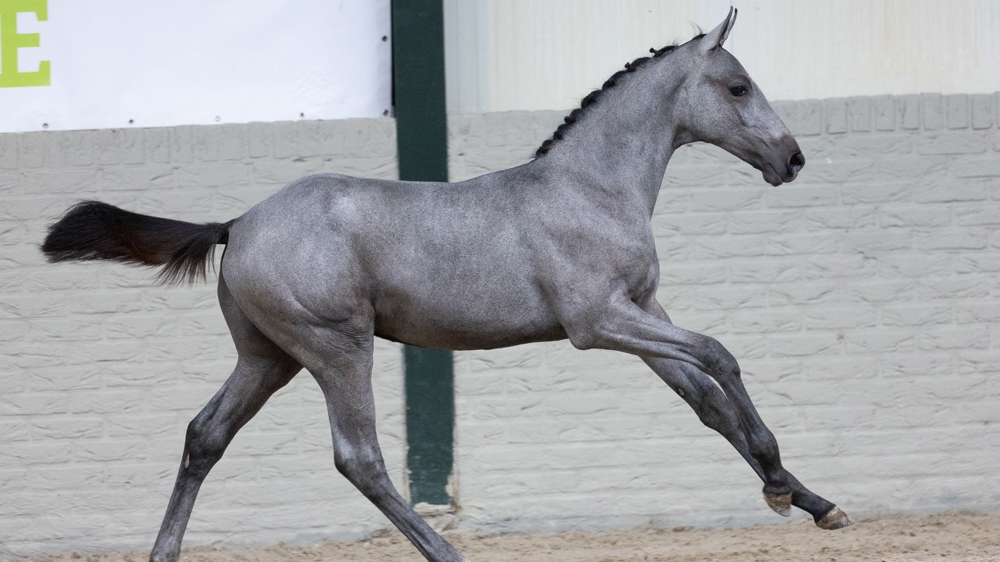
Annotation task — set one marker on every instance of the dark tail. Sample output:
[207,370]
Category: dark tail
[92,230]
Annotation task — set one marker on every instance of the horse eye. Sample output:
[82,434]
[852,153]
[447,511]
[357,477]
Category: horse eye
[738,90]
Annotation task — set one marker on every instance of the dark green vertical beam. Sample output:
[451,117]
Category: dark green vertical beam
[430,422]
[422,141]
[418,89]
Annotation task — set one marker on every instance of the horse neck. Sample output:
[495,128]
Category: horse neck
[623,142]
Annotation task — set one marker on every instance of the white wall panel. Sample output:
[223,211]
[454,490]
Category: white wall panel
[120,63]
[505,55]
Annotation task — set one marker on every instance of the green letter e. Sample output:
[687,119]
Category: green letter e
[11,41]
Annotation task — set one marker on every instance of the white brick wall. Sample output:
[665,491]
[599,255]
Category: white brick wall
[863,302]
[100,370]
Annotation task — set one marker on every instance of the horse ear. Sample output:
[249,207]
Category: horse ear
[715,38]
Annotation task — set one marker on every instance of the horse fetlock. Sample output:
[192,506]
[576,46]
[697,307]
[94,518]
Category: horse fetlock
[834,519]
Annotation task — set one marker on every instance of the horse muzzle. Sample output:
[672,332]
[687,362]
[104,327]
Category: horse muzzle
[795,163]
[786,172]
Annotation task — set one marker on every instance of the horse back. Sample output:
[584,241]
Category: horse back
[430,264]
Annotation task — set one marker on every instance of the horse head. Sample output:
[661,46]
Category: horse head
[719,103]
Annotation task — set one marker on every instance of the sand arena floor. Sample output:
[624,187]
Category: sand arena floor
[948,536]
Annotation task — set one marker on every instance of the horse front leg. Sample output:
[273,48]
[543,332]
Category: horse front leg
[788,491]
[717,412]
[708,402]
[683,359]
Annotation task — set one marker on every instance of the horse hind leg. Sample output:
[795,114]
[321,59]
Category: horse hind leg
[262,368]
[342,365]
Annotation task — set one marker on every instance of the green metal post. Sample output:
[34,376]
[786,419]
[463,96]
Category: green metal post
[422,141]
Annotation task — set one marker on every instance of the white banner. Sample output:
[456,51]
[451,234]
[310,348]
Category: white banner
[72,64]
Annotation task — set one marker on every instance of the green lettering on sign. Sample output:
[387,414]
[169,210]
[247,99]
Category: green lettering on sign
[11,41]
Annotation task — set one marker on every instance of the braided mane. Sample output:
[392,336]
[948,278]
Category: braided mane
[594,96]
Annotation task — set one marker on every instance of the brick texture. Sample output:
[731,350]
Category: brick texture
[862,302]
[101,370]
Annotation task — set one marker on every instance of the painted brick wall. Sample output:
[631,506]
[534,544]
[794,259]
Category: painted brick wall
[863,302]
[100,370]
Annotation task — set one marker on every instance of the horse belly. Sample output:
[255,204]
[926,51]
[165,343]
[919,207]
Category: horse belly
[441,320]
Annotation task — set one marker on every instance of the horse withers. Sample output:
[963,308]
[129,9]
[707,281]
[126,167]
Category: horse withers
[559,248]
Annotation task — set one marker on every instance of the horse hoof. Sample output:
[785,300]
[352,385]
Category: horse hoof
[780,503]
[834,519]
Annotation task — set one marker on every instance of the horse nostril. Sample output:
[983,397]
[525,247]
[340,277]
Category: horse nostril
[796,162]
